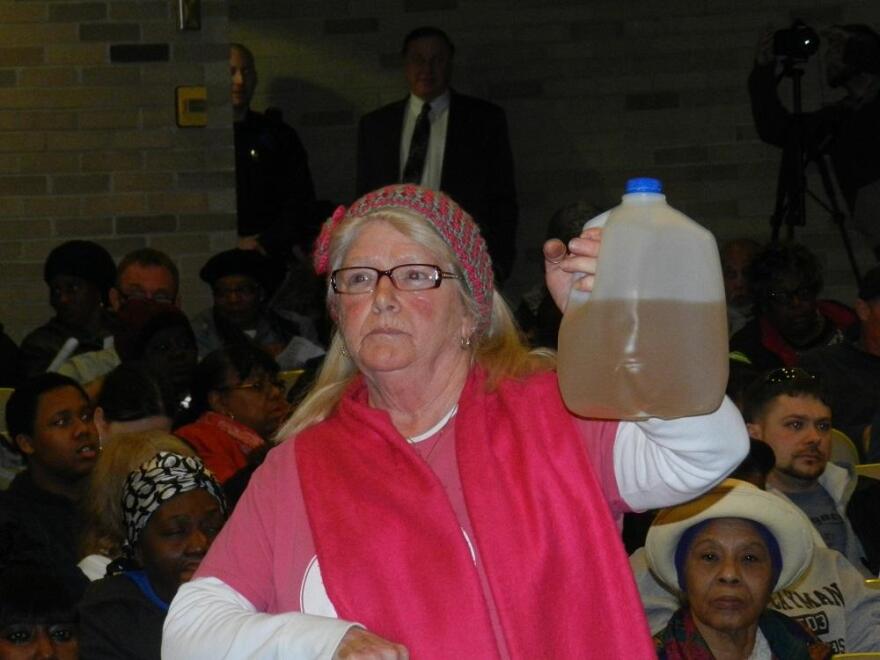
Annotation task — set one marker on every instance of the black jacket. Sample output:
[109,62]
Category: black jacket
[118,622]
[41,528]
[477,166]
[275,194]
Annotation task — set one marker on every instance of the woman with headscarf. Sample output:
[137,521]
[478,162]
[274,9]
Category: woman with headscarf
[173,508]
[436,497]
[726,553]
[102,537]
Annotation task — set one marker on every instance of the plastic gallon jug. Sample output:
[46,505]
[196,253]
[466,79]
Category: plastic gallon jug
[651,338]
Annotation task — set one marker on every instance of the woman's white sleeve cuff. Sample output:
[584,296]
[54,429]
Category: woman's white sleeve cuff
[211,620]
[660,462]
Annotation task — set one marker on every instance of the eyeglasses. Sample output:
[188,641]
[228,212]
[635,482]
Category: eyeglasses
[786,297]
[162,298]
[406,277]
[786,375]
[264,386]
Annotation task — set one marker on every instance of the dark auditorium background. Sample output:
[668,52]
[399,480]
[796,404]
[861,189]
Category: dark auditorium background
[595,91]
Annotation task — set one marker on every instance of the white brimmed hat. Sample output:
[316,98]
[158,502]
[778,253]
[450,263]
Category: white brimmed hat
[733,499]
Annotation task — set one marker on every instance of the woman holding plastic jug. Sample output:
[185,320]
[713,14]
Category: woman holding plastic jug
[434,497]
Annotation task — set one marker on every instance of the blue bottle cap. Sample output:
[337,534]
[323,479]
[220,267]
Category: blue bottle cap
[644,185]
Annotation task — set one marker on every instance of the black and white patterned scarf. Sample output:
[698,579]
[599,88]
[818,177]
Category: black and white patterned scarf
[158,480]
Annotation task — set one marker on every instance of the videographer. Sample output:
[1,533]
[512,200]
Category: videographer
[845,130]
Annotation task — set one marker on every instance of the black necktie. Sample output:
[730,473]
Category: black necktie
[418,147]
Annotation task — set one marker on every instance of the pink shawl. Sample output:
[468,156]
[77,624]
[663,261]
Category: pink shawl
[392,552]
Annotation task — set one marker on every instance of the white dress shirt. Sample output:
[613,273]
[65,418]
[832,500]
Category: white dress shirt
[439,118]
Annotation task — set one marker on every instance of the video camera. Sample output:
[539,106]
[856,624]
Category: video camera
[799,42]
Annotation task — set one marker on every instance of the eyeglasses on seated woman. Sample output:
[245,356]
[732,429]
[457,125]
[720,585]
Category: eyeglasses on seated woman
[238,403]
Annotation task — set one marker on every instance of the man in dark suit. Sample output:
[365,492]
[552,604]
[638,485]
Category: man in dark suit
[444,140]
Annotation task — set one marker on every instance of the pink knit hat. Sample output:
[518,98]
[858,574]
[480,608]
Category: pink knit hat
[454,225]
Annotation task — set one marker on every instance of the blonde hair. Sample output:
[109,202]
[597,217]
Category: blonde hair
[104,530]
[500,349]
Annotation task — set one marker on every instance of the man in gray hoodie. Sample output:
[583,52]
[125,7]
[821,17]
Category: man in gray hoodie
[789,409]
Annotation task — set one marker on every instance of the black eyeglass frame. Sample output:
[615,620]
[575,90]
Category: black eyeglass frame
[437,280]
[159,298]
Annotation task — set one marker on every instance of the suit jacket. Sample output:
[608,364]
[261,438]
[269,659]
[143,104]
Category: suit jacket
[477,166]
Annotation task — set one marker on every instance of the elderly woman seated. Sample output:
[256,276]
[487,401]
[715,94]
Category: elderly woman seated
[172,508]
[726,553]
[238,400]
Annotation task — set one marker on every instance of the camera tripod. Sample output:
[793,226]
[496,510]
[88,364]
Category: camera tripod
[791,185]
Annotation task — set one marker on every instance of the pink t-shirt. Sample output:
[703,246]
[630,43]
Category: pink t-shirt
[266,552]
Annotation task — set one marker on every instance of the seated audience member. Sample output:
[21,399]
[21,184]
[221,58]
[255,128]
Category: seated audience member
[103,533]
[831,597]
[789,410]
[785,280]
[146,274]
[726,553]
[172,508]
[49,418]
[150,333]
[242,281]
[143,276]
[850,370]
[79,275]
[736,255]
[9,357]
[240,404]
[38,617]
[130,401]
[166,343]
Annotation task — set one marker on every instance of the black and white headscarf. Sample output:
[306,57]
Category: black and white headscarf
[157,481]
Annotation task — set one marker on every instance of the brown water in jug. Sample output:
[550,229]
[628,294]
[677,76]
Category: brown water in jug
[658,360]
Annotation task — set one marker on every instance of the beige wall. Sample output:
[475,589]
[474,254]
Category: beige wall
[89,147]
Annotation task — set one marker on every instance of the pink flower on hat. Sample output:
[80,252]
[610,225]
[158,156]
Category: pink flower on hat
[321,257]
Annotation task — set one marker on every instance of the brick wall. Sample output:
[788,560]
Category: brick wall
[595,91]
[89,146]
